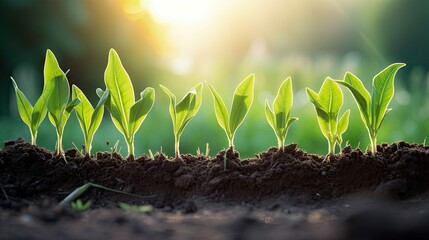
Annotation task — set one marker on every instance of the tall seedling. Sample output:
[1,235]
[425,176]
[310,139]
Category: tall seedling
[56,94]
[182,112]
[126,113]
[278,118]
[89,118]
[31,116]
[328,103]
[242,100]
[373,108]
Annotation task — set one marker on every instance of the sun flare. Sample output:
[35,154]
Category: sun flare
[175,12]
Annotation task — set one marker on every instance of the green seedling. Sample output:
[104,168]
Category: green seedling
[373,108]
[80,206]
[127,114]
[82,189]
[328,103]
[56,95]
[89,118]
[31,116]
[242,100]
[136,208]
[182,112]
[278,118]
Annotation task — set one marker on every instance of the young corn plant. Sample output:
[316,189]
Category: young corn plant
[373,108]
[126,113]
[31,116]
[278,118]
[328,103]
[89,118]
[56,95]
[182,112]
[242,100]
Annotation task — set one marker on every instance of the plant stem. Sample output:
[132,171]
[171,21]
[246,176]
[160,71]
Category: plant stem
[59,151]
[88,147]
[33,137]
[331,147]
[176,146]
[373,140]
[231,143]
[130,145]
[281,144]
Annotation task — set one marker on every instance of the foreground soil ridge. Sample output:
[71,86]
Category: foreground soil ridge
[399,170]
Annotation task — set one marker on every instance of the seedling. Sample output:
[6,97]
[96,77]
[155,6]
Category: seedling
[127,114]
[328,103]
[56,95]
[89,118]
[31,116]
[182,112]
[279,119]
[373,108]
[242,100]
[80,206]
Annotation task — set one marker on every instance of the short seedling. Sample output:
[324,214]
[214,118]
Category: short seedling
[80,206]
[182,112]
[278,118]
[127,114]
[89,118]
[328,103]
[243,98]
[373,108]
[31,116]
[56,95]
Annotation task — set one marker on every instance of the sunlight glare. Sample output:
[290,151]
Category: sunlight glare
[175,12]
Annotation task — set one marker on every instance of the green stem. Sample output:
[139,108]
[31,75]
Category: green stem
[176,146]
[88,147]
[373,140]
[59,151]
[331,147]
[130,145]
[281,144]
[231,143]
[33,137]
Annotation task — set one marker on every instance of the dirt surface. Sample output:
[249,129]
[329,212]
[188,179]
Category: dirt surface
[276,195]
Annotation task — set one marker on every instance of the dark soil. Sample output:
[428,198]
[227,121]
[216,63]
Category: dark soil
[276,195]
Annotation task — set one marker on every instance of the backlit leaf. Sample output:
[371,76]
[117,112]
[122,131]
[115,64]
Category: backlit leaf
[384,91]
[243,98]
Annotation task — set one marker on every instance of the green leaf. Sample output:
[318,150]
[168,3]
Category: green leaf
[51,68]
[220,110]
[121,91]
[243,98]
[39,113]
[282,104]
[330,97]
[25,109]
[84,109]
[140,109]
[97,115]
[270,117]
[193,108]
[360,94]
[384,90]
[172,106]
[182,109]
[57,89]
[343,123]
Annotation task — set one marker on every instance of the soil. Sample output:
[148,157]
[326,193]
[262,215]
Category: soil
[278,194]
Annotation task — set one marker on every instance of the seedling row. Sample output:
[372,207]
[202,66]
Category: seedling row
[127,113]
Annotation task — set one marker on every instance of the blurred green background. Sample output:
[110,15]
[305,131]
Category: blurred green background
[181,43]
